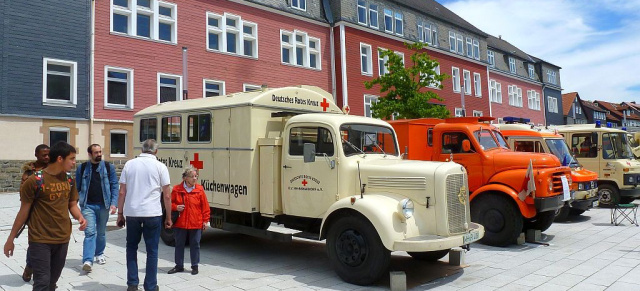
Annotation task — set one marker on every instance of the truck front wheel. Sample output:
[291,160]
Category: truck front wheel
[501,219]
[429,256]
[609,195]
[356,251]
[542,221]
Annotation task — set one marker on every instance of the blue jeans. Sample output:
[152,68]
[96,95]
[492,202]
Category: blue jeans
[94,235]
[181,235]
[150,228]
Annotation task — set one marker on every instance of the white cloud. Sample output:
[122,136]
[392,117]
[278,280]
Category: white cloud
[595,42]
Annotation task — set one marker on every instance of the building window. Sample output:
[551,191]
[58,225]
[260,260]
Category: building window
[230,33]
[373,15]
[399,23]
[469,47]
[171,129]
[368,101]
[495,91]
[401,55]
[477,113]
[532,73]
[552,104]
[169,88]
[299,4]
[452,41]
[250,88]
[455,77]
[551,77]
[533,99]
[155,20]
[212,88]
[59,82]
[118,146]
[382,62]
[578,109]
[388,21]
[460,44]
[148,128]
[477,84]
[459,112]
[476,49]
[362,12]
[428,33]
[466,76]
[491,59]
[433,83]
[515,96]
[199,128]
[365,59]
[512,65]
[299,49]
[58,134]
[118,89]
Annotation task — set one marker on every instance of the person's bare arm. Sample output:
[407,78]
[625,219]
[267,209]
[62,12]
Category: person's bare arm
[121,196]
[77,214]
[166,193]
[20,220]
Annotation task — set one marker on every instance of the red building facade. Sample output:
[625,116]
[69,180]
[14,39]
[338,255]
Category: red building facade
[519,104]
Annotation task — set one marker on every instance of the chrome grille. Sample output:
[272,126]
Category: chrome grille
[457,211]
[410,183]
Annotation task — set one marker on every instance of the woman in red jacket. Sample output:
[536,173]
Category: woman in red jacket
[188,198]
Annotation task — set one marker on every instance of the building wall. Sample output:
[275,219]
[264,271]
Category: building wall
[504,109]
[42,29]
[577,118]
[313,10]
[555,118]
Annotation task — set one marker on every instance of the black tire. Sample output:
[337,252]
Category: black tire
[542,221]
[500,217]
[356,251]
[609,195]
[166,235]
[562,214]
[429,256]
[576,212]
[626,200]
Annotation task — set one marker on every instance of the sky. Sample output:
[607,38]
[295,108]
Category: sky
[595,42]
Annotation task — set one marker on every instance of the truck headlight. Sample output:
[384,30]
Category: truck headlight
[406,208]
[569,180]
[580,186]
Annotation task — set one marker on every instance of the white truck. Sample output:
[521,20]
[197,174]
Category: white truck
[290,156]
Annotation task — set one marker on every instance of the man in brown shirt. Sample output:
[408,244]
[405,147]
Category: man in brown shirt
[49,223]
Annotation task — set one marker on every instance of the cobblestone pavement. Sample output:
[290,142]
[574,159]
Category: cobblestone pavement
[586,254]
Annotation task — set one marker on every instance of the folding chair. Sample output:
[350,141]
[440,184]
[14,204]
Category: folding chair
[622,212]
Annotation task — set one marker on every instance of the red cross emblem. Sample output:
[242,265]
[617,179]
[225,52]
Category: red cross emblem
[304,182]
[196,163]
[324,104]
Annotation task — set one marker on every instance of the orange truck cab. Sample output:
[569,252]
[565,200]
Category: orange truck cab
[584,191]
[503,198]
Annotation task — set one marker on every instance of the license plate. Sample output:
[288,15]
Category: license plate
[565,189]
[596,203]
[468,238]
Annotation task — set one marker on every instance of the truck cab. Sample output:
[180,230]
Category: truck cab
[503,197]
[289,156]
[584,190]
[606,151]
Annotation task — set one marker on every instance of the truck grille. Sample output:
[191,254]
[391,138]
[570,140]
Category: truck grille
[557,183]
[456,210]
[410,183]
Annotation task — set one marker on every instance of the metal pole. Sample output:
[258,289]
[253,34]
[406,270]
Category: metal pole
[185,74]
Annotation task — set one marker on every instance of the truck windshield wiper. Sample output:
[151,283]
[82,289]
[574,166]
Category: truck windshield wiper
[354,147]
[375,143]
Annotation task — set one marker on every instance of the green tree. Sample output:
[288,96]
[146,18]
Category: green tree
[405,88]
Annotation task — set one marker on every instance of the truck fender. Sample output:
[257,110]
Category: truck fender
[379,209]
[527,210]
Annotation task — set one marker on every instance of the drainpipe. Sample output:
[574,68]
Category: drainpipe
[329,17]
[544,111]
[343,67]
[91,70]
[489,87]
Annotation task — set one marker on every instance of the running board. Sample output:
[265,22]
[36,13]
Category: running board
[262,233]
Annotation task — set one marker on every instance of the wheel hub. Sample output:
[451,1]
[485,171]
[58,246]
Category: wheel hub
[351,248]
[605,196]
[494,220]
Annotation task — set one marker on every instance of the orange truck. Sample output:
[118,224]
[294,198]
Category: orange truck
[584,191]
[503,197]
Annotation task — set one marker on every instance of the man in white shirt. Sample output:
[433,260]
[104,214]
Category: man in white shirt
[142,182]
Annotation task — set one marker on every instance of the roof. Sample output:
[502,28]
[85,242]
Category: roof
[584,127]
[543,61]
[505,46]
[567,100]
[590,105]
[614,110]
[525,130]
[437,10]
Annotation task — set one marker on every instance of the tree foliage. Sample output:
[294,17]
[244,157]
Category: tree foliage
[405,89]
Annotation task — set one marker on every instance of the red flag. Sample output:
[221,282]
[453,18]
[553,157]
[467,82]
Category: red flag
[529,185]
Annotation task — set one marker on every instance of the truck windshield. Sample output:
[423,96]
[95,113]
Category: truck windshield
[368,139]
[501,140]
[559,148]
[616,146]
[632,141]
[485,139]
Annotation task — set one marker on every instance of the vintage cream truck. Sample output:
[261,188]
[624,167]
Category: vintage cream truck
[290,156]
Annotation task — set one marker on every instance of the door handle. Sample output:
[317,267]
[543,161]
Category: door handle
[286,167]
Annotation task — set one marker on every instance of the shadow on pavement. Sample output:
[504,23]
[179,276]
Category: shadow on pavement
[13,280]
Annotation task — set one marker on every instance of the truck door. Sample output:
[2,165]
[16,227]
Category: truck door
[471,160]
[584,145]
[221,155]
[309,188]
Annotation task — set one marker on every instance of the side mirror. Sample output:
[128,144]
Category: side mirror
[466,145]
[309,152]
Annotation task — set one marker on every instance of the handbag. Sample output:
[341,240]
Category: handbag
[176,214]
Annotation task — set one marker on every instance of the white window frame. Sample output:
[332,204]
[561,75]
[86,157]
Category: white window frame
[438,83]
[73,79]
[363,8]
[305,45]
[469,47]
[398,17]
[579,109]
[372,17]
[388,13]
[130,90]
[491,58]
[246,87]
[518,96]
[299,4]
[382,62]
[476,49]
[369,60]
[477,113]
[511,92]
[368,102]
[460,44]
[512,65]
[179,85]
[552,104]
[452,42]
[155,19]
[533,100]
[531,70]
[126,142]
[222,31]
[204,87]
[401,54]
[428,33]
[458,112]
[466,76]
[455,78]
[60,129]
[477,82]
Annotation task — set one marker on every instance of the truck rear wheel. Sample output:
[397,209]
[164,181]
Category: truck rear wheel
[429,256]
[501,219]
[562,214]
[356,251]
[608,195]
[166,235]
[542,221]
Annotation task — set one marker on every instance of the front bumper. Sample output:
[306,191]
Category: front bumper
[585,194]
[427,243]
[549,203]
[630,192]
[583,204]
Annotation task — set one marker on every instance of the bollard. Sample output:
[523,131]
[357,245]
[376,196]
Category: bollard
[521,239]
[398,281]
[534,235]
[456,257]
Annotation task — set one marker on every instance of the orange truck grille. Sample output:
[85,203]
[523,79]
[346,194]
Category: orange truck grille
[457,202]
[557,183]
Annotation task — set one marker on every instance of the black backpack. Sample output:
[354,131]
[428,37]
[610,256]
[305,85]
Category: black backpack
[84,165]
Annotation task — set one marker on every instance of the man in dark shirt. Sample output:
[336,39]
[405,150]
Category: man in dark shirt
[98,191]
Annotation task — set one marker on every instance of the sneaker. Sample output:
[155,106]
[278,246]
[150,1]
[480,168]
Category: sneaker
[101,260]
[132,288]
[86,266]
[26,275]
[176,269]
[194,270]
